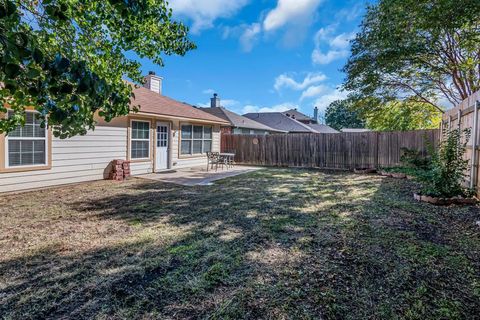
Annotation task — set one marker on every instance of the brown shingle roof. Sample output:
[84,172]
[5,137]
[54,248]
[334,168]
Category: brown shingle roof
[297,114]
[280,121]
[154,103]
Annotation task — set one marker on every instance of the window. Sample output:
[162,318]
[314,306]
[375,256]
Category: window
[140,140]
[27,145]
[196,139]
[162,136]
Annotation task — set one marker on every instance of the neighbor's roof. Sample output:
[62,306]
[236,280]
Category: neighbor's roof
[322,128]
[297,114]
[280,121]
[237,120]
[355,130]
[157,104]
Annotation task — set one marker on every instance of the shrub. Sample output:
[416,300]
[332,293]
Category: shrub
[414,159]
[447,171]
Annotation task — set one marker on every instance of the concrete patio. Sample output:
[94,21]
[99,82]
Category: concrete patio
[197,176]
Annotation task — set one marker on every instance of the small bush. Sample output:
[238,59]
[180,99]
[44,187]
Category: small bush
[447,171]
[414,159]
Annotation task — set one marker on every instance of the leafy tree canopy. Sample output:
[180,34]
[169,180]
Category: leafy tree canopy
[67,58]
[340,114]
[422,50]
[402,116]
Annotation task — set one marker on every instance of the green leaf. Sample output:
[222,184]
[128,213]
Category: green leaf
[12,70]
[37,55]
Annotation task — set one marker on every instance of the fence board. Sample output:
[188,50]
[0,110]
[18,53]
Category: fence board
[328,150]
[466,109]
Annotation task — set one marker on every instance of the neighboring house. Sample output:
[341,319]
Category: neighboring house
[238,124]
[281,121]
[165,134]
[297,115]
[355,130]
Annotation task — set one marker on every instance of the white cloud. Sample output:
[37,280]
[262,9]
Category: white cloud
[208,91]
[227,103]
[323,101]
[342,41]
[285,81]
[324,34]
[276,108]
[351,12]
[296,14]
[338,46]
[249,36]
[318,57]
[313,91]
[290,11]
[204,12]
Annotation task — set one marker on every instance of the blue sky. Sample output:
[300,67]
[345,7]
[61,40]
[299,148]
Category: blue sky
[262,55]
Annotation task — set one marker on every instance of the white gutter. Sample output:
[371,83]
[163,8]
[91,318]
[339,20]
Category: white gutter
[166,117]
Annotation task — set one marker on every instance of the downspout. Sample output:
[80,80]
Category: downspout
[474,170]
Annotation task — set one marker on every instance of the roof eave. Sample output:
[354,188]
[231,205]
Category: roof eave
[163,116]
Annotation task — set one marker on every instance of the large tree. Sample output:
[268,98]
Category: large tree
[418,50]
[401,116]
[341,114]
[69,58]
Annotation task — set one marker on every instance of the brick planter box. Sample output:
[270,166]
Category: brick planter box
[364,170]
[444,201]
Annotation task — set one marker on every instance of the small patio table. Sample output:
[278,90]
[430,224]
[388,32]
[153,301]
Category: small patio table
[228,158]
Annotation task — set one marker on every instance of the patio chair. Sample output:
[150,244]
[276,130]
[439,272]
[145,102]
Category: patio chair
[213,158]
[230,159]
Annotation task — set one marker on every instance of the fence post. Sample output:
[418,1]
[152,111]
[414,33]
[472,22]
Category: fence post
[474,169]
[459,116]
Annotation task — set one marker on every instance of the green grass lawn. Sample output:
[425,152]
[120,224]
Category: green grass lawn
[274,244]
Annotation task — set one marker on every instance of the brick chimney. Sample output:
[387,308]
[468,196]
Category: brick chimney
[215,101]
[153,82]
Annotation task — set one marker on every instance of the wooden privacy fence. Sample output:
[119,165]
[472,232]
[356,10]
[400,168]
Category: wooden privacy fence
[463,116]
[328,150]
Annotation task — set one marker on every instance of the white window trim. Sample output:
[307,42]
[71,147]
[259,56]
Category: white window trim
[7,139]
[131,139]
[192,139]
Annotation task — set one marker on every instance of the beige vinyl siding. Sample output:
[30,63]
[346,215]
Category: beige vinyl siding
[87,158]
[78,159]
[139,168]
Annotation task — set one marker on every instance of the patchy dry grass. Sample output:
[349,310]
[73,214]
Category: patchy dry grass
[273,244]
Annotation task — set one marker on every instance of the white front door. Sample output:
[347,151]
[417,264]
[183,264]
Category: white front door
[163,134]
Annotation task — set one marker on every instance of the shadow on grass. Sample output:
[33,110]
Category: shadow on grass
[270,244]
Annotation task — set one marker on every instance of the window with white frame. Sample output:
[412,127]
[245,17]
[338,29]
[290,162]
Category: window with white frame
[196,139]
[27,145]
[140,140]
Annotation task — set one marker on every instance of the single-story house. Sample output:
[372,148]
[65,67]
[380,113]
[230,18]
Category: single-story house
[281,121]
[165,134]
[238,124]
